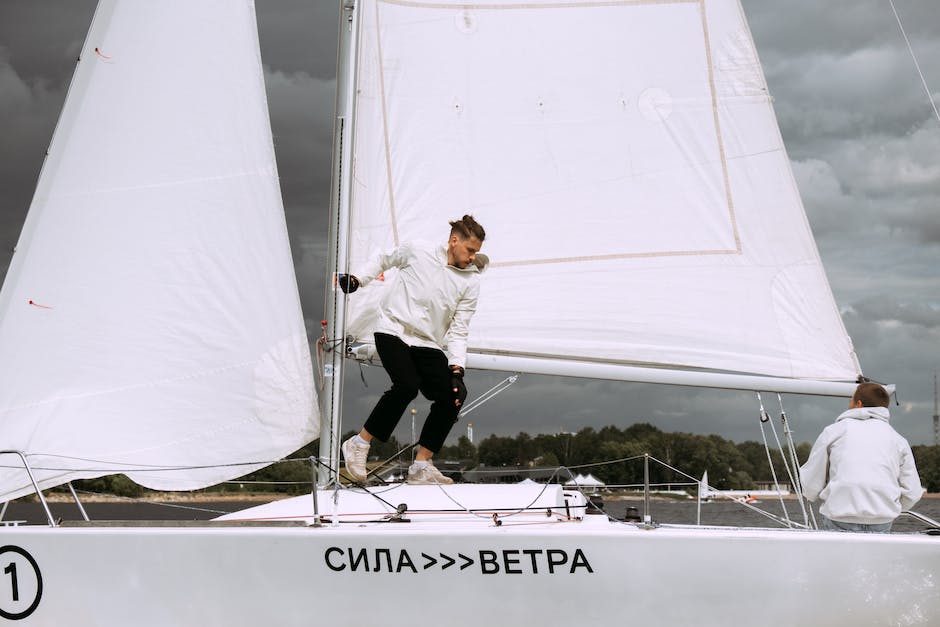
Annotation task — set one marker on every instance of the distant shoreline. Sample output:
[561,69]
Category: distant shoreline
[169,497]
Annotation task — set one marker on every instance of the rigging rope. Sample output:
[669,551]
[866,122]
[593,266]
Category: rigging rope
[513,512]
[795,477]
[784,520]
[765,418]
[495,513]
[914,57]
[490,393]
[792,473]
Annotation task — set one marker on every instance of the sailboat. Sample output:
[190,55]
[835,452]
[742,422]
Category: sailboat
[644,226]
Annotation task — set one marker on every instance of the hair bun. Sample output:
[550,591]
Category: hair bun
[467,226]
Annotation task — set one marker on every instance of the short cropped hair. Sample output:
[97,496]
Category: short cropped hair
[466,227]
[871,395]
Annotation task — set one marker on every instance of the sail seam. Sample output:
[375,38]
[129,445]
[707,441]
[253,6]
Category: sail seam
[735,246]
[613,256]
[134,386]
[718,137]
[388,152]
[179,183]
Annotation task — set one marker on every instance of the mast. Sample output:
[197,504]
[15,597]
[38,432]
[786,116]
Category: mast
[337,261]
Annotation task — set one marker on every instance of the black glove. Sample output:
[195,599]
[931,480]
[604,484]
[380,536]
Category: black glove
[348,283]
[457,386]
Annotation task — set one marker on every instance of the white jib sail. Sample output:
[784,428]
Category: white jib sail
[150,318]
[626,163]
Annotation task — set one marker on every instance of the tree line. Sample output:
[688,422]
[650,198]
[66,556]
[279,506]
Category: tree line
[730,465]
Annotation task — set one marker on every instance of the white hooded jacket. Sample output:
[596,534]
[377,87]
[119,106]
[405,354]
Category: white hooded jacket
[862,469]
[430,304]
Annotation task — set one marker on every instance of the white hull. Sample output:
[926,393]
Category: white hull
[531,569]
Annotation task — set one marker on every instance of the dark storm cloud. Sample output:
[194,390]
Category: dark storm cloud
[838,27]
[42,39]
[299,36]
[864,141]
[840,69]
[892,312]
[858,127]
[865,147]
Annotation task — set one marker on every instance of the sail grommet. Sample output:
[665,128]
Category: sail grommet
[466,22]
[655,104]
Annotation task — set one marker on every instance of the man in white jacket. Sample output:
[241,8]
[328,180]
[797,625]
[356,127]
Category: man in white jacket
[426,312]
[861,468]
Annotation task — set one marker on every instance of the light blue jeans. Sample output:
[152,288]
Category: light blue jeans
[835,525]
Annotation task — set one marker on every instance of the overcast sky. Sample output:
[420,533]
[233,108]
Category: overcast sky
[861,134]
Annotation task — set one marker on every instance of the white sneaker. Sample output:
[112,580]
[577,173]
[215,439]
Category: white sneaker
[428,475]
[354,456]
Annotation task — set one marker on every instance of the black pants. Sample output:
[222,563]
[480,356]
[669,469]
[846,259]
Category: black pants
[413,369]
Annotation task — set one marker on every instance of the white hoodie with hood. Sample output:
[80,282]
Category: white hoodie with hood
[430,303]
[862,469]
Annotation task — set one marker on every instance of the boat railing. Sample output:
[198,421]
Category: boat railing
[927,520]
[32,478]
[314,476]
[701,488]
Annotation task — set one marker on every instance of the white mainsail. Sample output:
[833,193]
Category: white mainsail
[150,319]
[637,196]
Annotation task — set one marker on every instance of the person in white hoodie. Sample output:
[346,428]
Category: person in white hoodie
[421,338]
[860,468]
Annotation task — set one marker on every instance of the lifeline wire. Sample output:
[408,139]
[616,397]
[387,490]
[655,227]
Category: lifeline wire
[515,511]
[784,521]
[375,494]
[780,519]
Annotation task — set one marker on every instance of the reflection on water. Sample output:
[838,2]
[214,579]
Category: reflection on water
[730,513]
